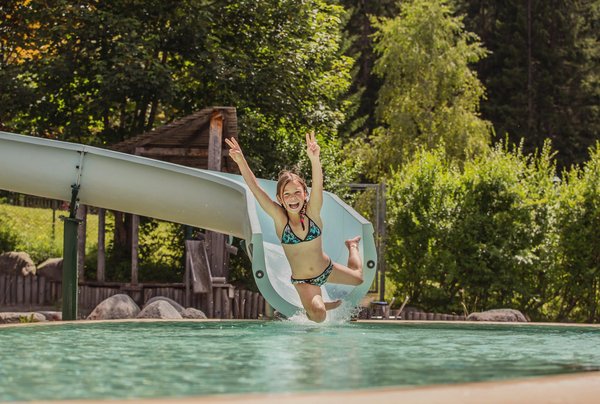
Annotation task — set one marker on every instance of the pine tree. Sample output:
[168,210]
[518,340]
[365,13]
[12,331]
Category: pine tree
[542,77]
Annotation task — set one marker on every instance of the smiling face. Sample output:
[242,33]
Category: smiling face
[291,192]
[293,196]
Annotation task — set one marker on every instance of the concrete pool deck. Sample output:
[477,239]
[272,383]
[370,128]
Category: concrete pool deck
[572,388]
[583,387]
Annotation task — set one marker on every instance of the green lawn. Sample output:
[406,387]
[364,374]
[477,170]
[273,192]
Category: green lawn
[38,234]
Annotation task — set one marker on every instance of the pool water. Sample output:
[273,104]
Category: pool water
[178,359]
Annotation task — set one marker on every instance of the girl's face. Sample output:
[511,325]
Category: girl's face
[293,196]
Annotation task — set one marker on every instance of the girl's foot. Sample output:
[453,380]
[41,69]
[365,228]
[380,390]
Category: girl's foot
[332,305]
[353,242]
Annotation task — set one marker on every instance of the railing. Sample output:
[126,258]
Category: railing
[225,302]
[30,201]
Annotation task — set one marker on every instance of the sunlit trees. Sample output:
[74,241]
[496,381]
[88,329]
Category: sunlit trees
[430,94]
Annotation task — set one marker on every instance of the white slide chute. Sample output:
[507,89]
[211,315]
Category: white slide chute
[201,198]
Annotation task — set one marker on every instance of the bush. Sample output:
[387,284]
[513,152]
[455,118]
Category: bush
[578,243]
[8,238]
[475,237]
[422,208]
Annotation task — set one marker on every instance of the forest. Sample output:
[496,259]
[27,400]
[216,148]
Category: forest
[482,118]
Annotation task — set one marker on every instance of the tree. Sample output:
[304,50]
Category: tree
[482,236]
[99,72]
[542,76]
[281,64]
[359,32]
[578,246]
[430,95]
[104,71]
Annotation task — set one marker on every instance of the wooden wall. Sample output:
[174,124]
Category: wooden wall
[37,292]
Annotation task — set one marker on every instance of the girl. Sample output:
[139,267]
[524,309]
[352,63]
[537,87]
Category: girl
[298,220]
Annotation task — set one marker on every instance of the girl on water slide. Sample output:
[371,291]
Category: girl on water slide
[298,220]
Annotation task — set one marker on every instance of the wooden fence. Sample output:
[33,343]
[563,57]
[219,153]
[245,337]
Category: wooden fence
[225,302]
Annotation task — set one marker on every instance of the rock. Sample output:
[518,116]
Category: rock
[115,307]
[507,315]
[51,269]
[172,302]
[16,263]
[51,315]
[191,312]
[160,309]
[11,317]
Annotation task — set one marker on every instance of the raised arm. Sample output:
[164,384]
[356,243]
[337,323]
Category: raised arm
[313,150]
[265,201]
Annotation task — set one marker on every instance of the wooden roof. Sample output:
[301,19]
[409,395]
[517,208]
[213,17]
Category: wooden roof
[185,141]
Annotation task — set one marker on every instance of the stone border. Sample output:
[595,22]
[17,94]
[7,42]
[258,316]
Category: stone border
[572,388]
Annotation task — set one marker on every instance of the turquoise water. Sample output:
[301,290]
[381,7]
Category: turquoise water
[177,359]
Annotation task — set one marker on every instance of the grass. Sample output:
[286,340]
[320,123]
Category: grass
[38,233]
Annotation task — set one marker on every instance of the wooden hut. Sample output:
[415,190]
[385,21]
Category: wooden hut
[198,141]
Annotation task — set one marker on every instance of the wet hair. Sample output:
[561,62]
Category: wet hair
[285,177]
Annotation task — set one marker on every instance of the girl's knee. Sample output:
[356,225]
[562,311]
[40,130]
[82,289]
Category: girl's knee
[318,315]
[358,279]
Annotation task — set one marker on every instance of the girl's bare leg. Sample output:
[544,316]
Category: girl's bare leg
[354,261]
[312,301]
[351,274]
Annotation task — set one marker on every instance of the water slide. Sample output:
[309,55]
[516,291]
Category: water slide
[205,199]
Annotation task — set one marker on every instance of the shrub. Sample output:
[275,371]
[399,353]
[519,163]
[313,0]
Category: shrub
[475,237]
[578,243]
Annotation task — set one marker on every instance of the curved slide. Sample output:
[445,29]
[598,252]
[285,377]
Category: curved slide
[206,199]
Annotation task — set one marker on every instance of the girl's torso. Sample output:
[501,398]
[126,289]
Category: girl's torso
[303,247]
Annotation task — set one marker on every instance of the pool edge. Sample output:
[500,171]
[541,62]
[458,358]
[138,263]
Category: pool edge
[571,388]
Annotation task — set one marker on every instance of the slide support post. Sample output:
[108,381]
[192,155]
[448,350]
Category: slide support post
[69,277]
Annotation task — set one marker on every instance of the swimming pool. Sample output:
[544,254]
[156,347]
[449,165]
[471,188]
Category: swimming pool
[179,359]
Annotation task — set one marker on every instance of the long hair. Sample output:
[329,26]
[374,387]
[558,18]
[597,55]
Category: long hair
[285,177]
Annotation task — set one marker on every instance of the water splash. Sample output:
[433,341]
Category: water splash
[338,316]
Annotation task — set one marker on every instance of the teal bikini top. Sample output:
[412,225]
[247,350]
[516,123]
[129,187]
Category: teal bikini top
[289,237]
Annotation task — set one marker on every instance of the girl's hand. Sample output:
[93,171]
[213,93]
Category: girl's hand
[312,147]
[235,151]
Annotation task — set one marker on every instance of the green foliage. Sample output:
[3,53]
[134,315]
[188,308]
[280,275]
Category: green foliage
[31,230]
[542,75]
[358,31]
[578,246]
[160,254]
[161,251]
[477,237]
[8,238]
[100,72]
[27,319]
[421,210]
[430,95]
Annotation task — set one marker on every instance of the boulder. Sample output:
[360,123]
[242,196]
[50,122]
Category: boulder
[51,315]
[51,269]
[193,313]
[160,309]
[172,302]
[115,307]
[507,315]
[11,317]
[16,263]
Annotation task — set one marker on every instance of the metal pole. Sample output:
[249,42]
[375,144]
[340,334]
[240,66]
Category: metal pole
[382,235]
[69,277]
